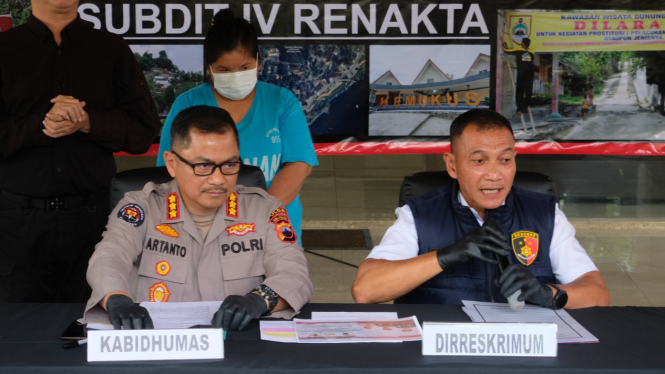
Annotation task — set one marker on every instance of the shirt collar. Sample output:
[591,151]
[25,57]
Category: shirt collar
[462,201]
[75,31]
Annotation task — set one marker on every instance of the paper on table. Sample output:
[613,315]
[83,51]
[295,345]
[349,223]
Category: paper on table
[394,330]
[97,319]
[181,315]
[569,330]
[278,331]
[99,326]
[351,316]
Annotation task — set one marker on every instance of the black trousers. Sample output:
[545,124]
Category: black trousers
[44,254]
[523,90]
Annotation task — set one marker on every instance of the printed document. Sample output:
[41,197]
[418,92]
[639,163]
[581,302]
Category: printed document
[570,331]
[381,330]
[285,331]
[181,315]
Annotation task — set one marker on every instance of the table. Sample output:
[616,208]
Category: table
[631,340]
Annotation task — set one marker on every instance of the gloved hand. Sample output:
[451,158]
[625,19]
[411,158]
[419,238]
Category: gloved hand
[518,278]
[236,311]
[487,238]
[124,314]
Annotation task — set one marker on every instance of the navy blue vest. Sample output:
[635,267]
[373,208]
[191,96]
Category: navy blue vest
[441,221]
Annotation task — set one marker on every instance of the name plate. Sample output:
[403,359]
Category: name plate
[151,345]
[490,339]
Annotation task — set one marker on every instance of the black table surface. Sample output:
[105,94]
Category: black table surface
[631,339]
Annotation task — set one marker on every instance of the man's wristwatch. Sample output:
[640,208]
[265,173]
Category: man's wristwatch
[268,294]
[560,299]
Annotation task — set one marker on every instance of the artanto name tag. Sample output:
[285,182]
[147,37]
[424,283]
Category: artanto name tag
[490,339]
[151,345]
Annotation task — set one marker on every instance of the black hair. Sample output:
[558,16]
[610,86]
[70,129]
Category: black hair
[203,118]
[483,119]
[526,41]
[227,34]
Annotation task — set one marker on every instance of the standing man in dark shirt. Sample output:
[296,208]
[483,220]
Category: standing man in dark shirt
[524,86]
[70,96]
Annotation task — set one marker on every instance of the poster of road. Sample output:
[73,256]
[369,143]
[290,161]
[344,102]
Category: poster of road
[582,75]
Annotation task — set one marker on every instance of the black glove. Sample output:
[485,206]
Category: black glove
[236,311]
[487,238]
[124,314]
[517,278]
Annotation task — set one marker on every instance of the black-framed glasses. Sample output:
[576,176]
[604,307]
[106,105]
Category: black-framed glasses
[207,168]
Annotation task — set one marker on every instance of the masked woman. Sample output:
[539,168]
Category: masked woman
[271,124]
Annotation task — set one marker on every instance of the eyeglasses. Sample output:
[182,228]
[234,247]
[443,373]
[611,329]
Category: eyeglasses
[207,168]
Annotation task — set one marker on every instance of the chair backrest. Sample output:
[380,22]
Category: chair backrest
[419,184]
[135,179]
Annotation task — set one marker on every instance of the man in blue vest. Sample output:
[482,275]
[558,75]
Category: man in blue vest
[444,246]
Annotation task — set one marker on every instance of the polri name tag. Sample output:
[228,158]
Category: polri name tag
[490,339]
[150,345]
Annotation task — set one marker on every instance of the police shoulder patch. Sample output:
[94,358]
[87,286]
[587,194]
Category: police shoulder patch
[278,215]
[132,214]
[525,246]
[283,226]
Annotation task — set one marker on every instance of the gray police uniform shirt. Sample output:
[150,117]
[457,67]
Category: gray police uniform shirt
[152,250]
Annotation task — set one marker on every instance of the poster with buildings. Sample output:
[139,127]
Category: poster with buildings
[418,90]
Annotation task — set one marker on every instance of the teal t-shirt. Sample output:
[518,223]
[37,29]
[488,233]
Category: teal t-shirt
[273,132]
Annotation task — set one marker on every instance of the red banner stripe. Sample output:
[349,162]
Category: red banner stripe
[370,148]
[529,148]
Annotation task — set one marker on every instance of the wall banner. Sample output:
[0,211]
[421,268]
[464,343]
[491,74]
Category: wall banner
[588,30]
[390,77]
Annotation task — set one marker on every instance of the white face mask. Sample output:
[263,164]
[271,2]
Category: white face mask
[238,85]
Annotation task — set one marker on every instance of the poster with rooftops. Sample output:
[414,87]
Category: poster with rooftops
[412,95]
[583,75]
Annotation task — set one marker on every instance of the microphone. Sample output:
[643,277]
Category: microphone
[504,262]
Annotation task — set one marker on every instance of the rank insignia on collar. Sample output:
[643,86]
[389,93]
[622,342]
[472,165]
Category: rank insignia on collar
[232,205]
[172,206]
[132,214]
[168,231]
[240,229]
[163,268]
[525,246]
[159,293]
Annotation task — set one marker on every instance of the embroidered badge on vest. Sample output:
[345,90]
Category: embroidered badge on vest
[159,293]
[132,214]
[167,230]
[240,229]
[163,268]
[232,205]
[525,246]
[173,206]
[283,226]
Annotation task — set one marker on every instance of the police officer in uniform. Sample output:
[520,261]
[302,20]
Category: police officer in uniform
[199,237]
[443,247]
